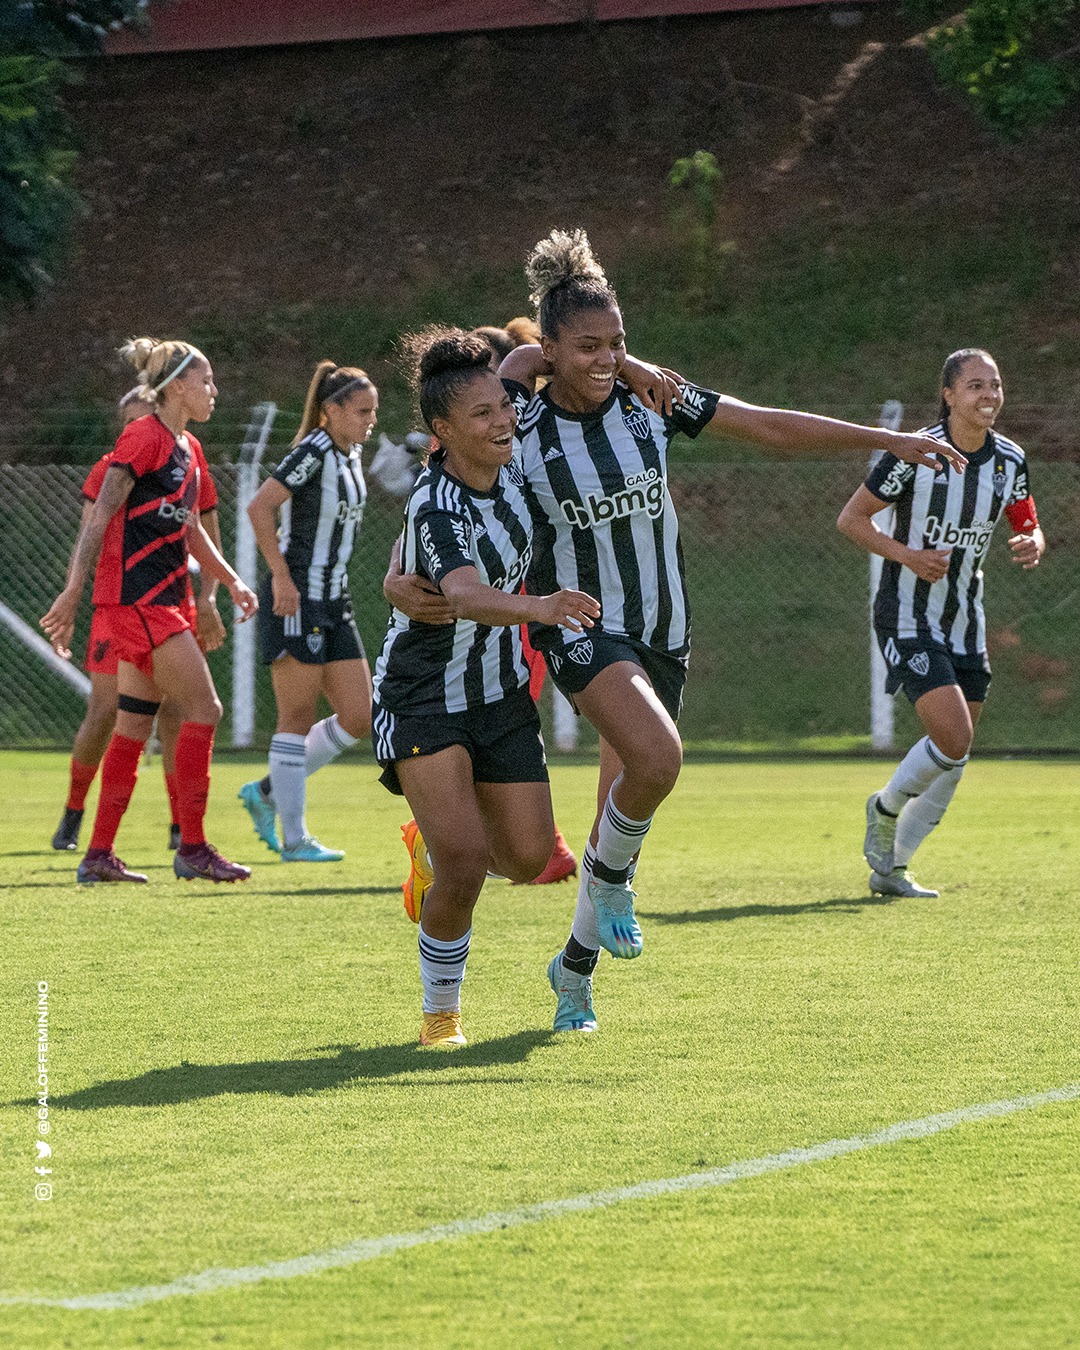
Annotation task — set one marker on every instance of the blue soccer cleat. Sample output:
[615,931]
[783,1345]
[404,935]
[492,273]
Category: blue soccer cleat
[574,992]
[310,850]
[619,930]
[262,813]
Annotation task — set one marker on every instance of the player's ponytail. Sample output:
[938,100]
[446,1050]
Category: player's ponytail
[950,373]
[158,363]
[330,383]
[565,278]
[440,362]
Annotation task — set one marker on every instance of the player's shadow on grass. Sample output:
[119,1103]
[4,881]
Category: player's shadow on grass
[299,1077]
[842,904]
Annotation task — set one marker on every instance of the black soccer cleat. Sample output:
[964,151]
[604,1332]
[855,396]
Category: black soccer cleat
[67,832]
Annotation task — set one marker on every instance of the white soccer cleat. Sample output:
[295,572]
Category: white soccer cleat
[899,882]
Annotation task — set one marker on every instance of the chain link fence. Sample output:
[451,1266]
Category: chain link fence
[781,637]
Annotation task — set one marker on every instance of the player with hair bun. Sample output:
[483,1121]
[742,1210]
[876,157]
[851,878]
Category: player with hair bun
[142,524]
[928,611]
[595,456]
[101,661]
[308,634]
[453,725]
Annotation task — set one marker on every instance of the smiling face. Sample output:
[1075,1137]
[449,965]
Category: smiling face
[586,356]
[352,421]
[477,433]
[975,397]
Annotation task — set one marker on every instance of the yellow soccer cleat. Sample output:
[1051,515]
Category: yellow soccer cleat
[442,1031]
[415,886]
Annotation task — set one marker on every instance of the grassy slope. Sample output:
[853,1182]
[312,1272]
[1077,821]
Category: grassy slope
[241,1082]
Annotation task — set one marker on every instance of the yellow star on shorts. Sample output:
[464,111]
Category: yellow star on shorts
[416,749]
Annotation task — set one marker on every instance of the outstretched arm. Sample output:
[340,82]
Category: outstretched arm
[470,598]
[808,434]
[856,520]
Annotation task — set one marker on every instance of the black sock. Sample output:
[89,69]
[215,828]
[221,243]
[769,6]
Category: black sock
[615,876]
[265,788]
[581,960]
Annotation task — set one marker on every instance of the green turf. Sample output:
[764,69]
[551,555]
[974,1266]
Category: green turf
[236,1080]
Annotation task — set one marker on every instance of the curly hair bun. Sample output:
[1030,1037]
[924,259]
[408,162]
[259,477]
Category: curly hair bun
[450,350]
[138,351]
[563,256]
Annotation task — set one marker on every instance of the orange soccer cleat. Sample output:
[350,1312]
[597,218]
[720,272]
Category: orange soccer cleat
[415,885]
[560,865]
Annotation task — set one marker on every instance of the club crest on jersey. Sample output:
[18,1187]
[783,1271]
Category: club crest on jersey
[919,663]
[636,421]
[643,492]
[314,642]
[998,480]
[581,653]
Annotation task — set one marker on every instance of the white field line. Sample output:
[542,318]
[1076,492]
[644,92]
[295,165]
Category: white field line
[368,1249]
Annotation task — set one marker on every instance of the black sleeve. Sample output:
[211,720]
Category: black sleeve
[890,478]
[443,541]
[520,396]
[694,413]
[1021,488]
[300,465]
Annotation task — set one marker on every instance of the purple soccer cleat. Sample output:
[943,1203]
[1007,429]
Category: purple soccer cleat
[203,860]
[102,864]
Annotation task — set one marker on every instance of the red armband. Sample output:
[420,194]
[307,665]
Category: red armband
[1022,515]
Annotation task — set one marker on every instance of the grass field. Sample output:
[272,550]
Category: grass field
[234,1081]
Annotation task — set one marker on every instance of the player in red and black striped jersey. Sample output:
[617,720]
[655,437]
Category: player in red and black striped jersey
[928,612]
[101,660]
[142,524]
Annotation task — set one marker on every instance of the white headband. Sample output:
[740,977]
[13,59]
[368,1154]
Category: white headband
[182,366]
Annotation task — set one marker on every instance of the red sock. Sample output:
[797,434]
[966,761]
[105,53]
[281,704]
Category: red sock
[82,775]
[174,800]
[119,770]
[194,746]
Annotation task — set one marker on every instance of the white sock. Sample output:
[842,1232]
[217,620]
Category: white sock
[442,968]
[922,814]
[325,741]
[288,764]
[916,771]
[585,928]
[619,837]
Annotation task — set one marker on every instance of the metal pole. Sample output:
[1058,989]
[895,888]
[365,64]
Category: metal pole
[247,484]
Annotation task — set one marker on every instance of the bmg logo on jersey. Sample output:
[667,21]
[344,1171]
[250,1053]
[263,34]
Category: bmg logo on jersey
[643,492]
[975,536]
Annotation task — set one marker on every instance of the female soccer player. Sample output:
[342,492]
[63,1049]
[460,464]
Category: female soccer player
[928,611]
[595,457]
[453,724]
[309,636]
[101,661]
[142,524]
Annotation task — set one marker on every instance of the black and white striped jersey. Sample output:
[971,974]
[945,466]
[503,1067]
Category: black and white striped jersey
[321,519]
[452,668]
[606,521]
[945,510]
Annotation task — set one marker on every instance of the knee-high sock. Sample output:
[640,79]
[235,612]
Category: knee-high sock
[619,839]
[585,930]
[287,772]
[324,742]
[119,770]
[920,816]
[82,775]
[174,799]
[194,747]
[914,774]
[442,969]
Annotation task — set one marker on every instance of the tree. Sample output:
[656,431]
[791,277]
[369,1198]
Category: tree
[1017,60]
[37,201]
